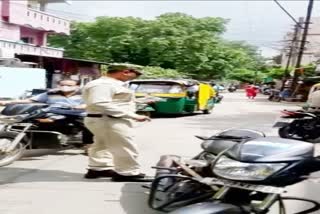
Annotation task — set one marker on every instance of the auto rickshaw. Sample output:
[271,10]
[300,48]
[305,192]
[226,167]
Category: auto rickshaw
[176,96]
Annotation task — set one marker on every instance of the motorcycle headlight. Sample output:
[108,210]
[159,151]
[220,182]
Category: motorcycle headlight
[235,170]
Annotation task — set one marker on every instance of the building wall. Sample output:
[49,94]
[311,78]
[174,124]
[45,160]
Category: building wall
[9,32]
[5,6]
[0,10]
[21,14]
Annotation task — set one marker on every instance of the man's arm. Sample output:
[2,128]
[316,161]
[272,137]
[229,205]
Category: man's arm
[41,98]
[7,102]
[81,106]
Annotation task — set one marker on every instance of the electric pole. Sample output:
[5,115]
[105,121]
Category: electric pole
[292,49]
[302,45]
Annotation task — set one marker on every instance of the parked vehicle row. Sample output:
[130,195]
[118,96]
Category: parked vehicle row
[241,171]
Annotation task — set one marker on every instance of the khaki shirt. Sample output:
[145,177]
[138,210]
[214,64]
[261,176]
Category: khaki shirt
[108,96]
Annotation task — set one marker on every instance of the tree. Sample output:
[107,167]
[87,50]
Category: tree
[158,72]
[178,41]
[245,75]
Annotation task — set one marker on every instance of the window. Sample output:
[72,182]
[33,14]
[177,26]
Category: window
[35,15]
[28,40]
[28,13]
[156,88]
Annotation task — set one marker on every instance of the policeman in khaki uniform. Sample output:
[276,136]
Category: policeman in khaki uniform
[111,111]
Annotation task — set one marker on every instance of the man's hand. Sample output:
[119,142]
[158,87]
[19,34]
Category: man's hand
[82,106]
[142,118]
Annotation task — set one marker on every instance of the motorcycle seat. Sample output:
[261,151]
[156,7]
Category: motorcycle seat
[229,138]
[271,149]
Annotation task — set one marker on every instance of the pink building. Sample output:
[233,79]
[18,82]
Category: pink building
[24,27]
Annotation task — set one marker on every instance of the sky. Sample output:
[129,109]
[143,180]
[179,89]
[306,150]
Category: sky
[261,23]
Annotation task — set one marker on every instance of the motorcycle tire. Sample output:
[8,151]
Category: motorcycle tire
[207,111]
[7,159]
[285,132]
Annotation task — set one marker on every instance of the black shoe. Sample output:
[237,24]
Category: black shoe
[92,174]
[131,178]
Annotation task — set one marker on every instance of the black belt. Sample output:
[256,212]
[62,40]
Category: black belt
[99,115]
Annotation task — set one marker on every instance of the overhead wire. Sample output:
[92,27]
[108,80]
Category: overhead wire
[283,9]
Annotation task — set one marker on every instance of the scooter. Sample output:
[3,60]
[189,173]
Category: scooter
[239,172]
[300,125]
[232,88]
[38,126]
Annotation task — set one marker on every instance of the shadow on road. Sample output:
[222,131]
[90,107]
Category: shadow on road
[56,152]
[134,199]
[22,175]
[168,116]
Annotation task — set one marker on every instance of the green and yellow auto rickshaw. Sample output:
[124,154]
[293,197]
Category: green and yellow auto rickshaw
[175,96]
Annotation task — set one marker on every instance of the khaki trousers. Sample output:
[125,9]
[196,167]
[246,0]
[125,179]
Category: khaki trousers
[113,146]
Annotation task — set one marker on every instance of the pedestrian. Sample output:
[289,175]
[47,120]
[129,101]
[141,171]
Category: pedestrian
[110,115]
[251,91]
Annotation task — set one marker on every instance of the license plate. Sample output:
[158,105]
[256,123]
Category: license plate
[241,185]
[282,122]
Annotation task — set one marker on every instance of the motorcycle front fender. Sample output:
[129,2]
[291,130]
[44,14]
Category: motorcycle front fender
[209,208]
[280,124]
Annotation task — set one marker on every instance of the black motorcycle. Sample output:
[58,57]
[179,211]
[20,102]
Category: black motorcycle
[232,88]
[275,95]
[239,172]
[38,126]
[300,125]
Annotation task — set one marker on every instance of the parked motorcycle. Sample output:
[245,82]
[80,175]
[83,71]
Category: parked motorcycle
[173,172]
[300,125]
[274,95]
[37,126]
[265,90]
[239,172]
[232,88]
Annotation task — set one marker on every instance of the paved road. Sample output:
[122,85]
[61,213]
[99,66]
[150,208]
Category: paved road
[53,183]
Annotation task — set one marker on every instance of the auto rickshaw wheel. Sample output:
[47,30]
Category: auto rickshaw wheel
[207,111]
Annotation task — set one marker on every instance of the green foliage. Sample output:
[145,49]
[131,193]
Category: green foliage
[190,45]
[158,72]
[276,73]
[309,70]
[245,75]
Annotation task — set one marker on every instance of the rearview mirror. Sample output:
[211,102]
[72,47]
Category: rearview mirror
[202,137]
